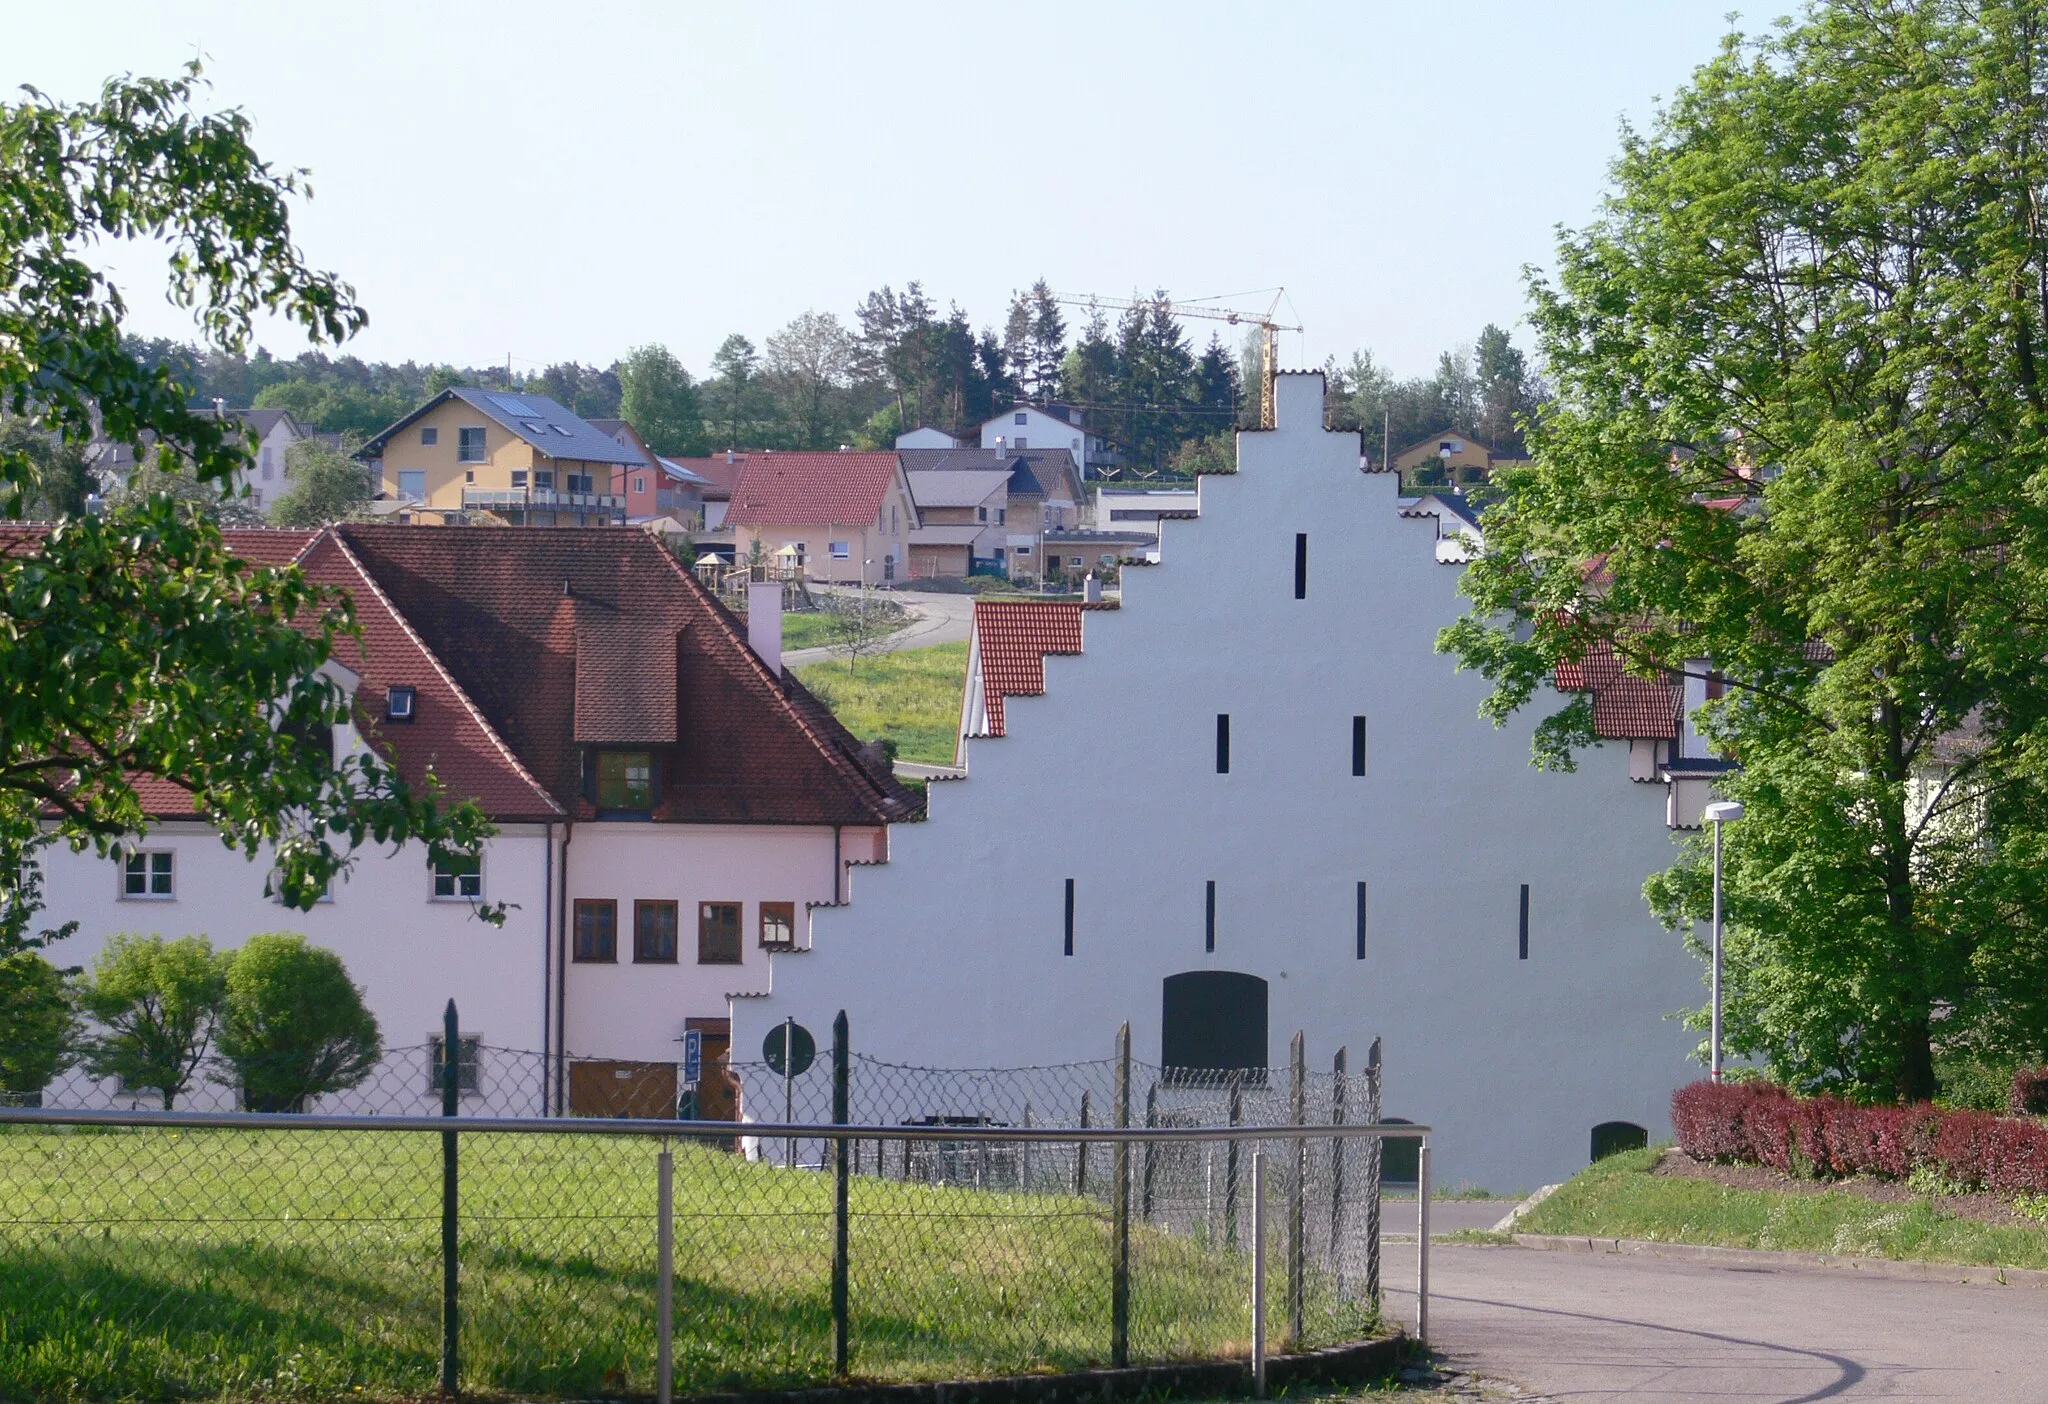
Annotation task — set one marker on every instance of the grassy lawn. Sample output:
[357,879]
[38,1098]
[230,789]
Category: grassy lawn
[809,630]
[1618,1198]
[911,696]
[234,1265]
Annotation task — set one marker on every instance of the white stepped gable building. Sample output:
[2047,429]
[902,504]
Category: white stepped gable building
[1288,814]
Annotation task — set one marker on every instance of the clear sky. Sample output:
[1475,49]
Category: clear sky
[563,181]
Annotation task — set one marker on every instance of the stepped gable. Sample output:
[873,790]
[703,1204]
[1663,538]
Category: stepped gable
[512,614]
[1014,636]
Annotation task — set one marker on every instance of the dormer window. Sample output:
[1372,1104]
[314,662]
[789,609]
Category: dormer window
[399,703]
[625,780]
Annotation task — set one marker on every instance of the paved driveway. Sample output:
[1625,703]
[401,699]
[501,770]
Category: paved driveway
[935,619]
[1599,1327]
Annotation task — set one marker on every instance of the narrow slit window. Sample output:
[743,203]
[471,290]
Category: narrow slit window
[1223,743]
[1361,922]
[1070,916]
[1301,565]
[1209,919]
[1358,745]
[1525,923]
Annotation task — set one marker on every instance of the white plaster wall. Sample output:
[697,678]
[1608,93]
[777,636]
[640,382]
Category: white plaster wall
[636,1012]
[409,952]
[951,954]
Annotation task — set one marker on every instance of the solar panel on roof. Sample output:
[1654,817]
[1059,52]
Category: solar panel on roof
[511,406]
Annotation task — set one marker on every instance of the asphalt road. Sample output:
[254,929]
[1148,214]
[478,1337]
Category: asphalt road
[935,619]
[1598,1327]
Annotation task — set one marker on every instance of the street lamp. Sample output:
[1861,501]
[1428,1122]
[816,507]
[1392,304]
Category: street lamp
[1719,813]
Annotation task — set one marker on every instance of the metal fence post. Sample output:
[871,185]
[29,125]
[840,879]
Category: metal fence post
[665,1275]
[1024,1153]
[1422,1242]
[1120,1199]
[789,1088]
[451,1310]
[1258,1272]
[1297,1061]
[840,1323]
[1373,1161]
[1081,1153]
[1151,1120]
[1337,1148]
[1230,1164]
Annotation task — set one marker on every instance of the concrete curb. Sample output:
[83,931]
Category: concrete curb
[1757,1258]
[1344,1364]
[1514,1215]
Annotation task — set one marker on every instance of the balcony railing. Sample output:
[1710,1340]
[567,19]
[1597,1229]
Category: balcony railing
[541,500]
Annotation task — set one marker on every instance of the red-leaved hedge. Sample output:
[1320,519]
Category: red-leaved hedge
[1757,1123]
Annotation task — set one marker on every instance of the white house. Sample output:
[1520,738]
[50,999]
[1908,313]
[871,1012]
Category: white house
[926,437]
[271,432]
[671,807]
[1047,427]
[1288,816]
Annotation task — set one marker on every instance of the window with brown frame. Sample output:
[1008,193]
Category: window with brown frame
[654,932]
[718,933]
[778,926]
[597,930]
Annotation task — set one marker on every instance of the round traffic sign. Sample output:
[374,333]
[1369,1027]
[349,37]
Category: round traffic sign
[802,1049]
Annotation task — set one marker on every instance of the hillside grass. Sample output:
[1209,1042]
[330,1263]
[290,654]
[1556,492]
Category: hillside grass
[911,696]
[238,1265]
[814,630]
[1619,1198]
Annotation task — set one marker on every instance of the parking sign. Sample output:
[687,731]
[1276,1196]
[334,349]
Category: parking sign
[693,1056]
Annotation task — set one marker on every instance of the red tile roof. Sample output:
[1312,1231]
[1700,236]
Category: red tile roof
[512,616]
[1625,707]
[448,738]
[811,489]
[1013,637]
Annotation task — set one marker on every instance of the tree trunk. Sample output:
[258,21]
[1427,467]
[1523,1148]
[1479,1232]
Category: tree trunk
[1916,1062]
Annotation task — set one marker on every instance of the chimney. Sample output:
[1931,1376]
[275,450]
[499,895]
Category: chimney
[1001,443]
[1091,589]
[728,455]
[764,622]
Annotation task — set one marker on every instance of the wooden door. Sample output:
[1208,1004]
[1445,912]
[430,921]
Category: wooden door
[600,1087]
[717,1094]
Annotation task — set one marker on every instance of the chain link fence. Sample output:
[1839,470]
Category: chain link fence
[978,1222]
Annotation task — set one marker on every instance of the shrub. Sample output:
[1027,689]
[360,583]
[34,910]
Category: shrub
[1766,1125]
[293,1026]
[2029,1092]
[35,1025]
[155,1003]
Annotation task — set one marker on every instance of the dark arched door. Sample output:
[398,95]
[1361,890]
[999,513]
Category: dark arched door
[1212,1025]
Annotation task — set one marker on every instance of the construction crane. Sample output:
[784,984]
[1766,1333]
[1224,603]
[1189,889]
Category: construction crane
[1270,340]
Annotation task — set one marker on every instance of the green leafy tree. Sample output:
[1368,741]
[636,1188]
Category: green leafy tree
[810,365]
[134,643]
[154,1004]
[322,485]
[292,1024]
[57,477]
[161,476]
[36,1025]
[1799,425]
[731,393]
[658,398]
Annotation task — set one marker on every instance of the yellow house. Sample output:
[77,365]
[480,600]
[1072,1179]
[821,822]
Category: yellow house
[519,457]
[1450,457]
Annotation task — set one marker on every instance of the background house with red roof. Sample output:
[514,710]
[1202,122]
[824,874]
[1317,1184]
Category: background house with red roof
[671,807]
[849,516]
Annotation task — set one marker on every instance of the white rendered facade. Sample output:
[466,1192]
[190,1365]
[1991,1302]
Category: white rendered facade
[409,951]
[953,954]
